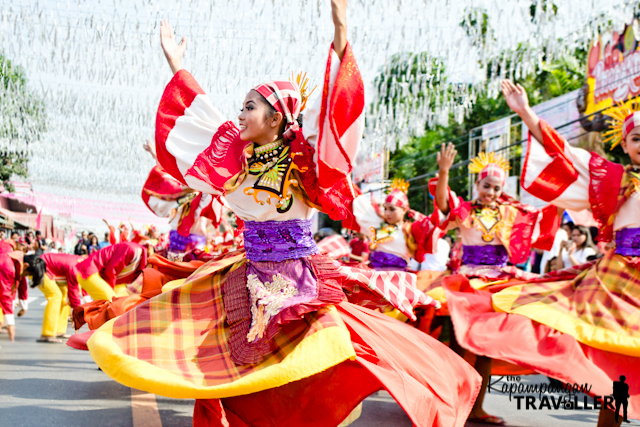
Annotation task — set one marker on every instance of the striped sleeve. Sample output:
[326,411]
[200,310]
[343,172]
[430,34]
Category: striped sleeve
[194,143]
[556,172]
[335,123]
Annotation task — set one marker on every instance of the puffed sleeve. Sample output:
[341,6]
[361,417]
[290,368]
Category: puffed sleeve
[194,143]
[556,172]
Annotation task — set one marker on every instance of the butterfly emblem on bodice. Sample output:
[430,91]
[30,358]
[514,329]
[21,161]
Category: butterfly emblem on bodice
[382,235]
[273,168]
[487,220]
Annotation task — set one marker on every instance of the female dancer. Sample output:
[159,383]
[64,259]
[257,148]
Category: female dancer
[10,275]
[264,336]
[576,326]
[189,211]
[394,241]
[105,273]
[57,277]
[495,230]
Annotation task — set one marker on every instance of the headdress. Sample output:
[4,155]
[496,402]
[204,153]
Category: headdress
[287,98]
[490,164]
[398,195]
[624,117]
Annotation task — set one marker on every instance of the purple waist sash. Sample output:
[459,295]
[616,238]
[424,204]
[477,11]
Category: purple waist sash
[384,260]
[180,243]
[628,242]
[278,240]
[485,255]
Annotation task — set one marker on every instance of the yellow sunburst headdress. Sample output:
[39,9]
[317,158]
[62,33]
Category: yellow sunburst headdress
[303,83]
[490,164]
[398,194]
[624,118]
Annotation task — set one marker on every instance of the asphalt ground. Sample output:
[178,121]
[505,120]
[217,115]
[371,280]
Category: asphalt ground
[55,385]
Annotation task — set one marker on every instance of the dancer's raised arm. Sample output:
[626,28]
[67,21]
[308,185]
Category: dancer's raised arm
[172,50]
[445,159]
[339,14]
[518,101]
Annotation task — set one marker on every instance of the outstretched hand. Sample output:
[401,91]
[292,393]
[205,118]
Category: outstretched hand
[446,157]
[515,96]
[172,50]
[150,147]
[339,15]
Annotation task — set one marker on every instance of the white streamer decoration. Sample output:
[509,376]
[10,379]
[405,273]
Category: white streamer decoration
[99,67]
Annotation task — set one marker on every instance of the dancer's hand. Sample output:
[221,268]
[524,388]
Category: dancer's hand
[150,148]
[339,14]
[446,157]
[518,101]
[515,96]
[172,50]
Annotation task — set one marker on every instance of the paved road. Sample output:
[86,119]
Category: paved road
[54,385]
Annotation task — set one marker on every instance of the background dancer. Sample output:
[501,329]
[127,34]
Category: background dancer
[495,230]
[105,273]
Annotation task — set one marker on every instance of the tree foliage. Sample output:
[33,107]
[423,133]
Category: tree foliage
[22,121]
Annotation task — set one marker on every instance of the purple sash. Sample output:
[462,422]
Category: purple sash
[180,244]
[278,240]
[628,242]
[485,255]
[386,261]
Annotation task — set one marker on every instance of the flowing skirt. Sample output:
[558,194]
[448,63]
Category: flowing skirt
[584,330]
[321,361]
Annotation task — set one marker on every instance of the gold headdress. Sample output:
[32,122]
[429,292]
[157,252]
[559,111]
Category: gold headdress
[484,159]
[619,113]
[303,83]
[399,184]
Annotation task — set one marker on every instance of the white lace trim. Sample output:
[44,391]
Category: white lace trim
[266,301]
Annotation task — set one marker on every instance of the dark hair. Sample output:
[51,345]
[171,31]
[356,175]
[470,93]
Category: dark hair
[38,233]
[571,224]
[37,269]
[588,243]
[91,239]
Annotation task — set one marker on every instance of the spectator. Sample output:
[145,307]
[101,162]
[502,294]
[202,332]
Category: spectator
[30,243]
[554,264]
[2,234]
[579,248]
[40,244]
[15,236]
[558,240]
[568,227]
[82,242]
[93,244]
[359,248]
[53,248]
[106,241]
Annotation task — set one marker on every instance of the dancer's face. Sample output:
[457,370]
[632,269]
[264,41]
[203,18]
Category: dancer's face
[631,145]
[489,190]
[393,214]
[255,121]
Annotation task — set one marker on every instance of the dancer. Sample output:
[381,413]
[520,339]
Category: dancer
[266,330]
[495,229]
[394,241]
[577,325]
[105,273]
[57,277]
[189,211]
[10,275]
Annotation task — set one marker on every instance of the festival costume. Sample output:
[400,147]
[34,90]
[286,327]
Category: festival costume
[268,329]
[10,271]
[167,197]
[392,247]
[59,282]
[491,239]
[104,274]
[579,325]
